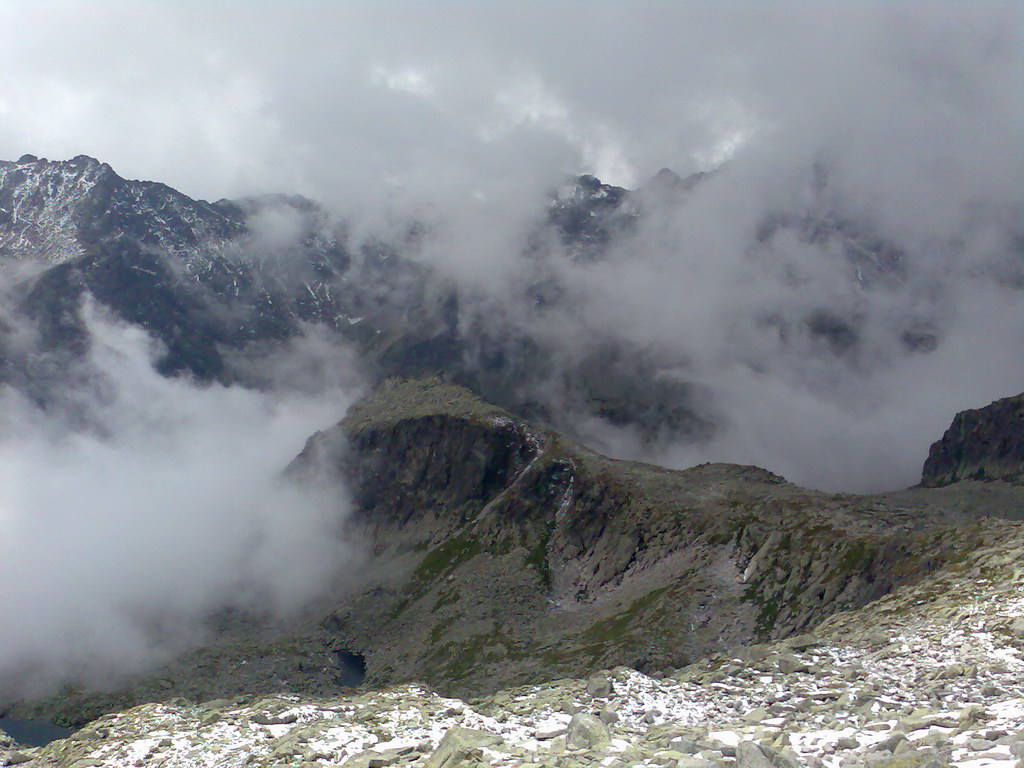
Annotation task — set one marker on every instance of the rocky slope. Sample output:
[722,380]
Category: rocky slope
[929,675]
[503,554]
[982,444]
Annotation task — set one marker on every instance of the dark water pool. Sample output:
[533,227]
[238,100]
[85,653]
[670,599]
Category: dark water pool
[351,669]
[33,733]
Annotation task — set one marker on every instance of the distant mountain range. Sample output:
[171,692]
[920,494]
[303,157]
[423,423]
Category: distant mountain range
[199,277]
[223,284]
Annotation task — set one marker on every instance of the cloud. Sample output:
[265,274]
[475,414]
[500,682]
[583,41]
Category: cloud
[123,529]
[901,122]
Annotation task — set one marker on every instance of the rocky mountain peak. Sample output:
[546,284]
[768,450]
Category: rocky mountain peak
[42,204]
[54,211]
[981,444]
[667,182]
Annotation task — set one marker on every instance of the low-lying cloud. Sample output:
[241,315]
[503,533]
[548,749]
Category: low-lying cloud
[160,503]
[832,350]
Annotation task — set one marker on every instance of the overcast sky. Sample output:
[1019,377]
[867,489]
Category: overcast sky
[344,100]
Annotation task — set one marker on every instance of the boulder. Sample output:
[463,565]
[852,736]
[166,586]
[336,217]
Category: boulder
[587,732]
[459,745]
[749,755]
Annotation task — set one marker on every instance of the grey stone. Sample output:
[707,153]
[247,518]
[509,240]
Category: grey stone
[972,713]
[372,759]
[752,653]
[569,707]
[876,637]
[749,755]
[543,733]
[588,732]
[799,642]
[459,745]
[599,686]
[694,762]
[957,670]
[910,759]
[684,745]
[788,664]
[262,718]
[893,743]
[782,758]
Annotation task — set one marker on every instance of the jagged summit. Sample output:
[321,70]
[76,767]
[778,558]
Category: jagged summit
[56,211]
[981,444]
[43,206]
[667,184]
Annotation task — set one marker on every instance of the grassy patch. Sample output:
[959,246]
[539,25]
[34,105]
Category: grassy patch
[537,558]
[446,558]
[614,627]
[768,608]
[447,598]
[440,629]
[857,557]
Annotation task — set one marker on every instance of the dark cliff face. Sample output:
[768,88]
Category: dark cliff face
[982,444]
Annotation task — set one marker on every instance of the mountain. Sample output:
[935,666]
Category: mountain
[193,274]
[56,211]
[221,285]
[982,444]
[595,610]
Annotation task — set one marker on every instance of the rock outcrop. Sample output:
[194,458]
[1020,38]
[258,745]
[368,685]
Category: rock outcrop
[982,444]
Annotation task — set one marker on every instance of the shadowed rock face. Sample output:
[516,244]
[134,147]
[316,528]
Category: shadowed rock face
[982,444]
